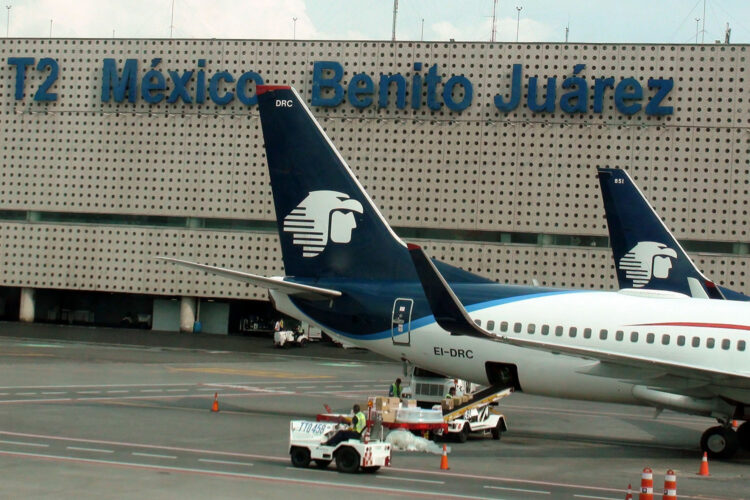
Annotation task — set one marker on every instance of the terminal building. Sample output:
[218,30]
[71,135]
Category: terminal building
[115,151]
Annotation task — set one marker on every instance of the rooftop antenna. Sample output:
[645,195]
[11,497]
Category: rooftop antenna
[567,30]
[50,28]
[7,22]
[294,28]
[171,24]
[421,37]
[727,34]
[494,21]
[703,31]
[395,11]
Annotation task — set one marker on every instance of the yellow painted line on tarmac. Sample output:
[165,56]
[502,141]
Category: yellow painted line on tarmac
[248,372]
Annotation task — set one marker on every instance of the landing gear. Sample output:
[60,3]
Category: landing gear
[743,434]
[720,442]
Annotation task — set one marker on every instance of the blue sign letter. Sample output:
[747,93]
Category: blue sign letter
[118,86]
[320,83]
[622,95]
[20,63]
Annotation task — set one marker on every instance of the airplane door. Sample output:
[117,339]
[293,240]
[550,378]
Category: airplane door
[401,321]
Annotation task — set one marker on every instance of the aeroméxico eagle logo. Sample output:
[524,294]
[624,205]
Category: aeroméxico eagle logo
[647,260]
[321,217]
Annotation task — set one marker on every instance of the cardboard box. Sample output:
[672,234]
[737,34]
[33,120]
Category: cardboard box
[393,403]
[457,400]
[388,415]
[447,404]
[411,403]
[465,398]
[378,403]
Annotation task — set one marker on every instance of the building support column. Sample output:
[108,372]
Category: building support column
[26,310]
[187,314]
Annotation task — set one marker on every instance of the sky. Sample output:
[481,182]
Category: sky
[603,21]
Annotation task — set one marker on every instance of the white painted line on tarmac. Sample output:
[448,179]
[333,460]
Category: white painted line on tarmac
[3,393]
[595,498]
[153,455]
[152,390]
[306,387]
[389,478]
[88,392]
[334,386]
[25,394]
[276,479]
[210,389]
[227,462]
[538,492]
[50,393]
[93,450]
[22,443]
[177,390]
[118,391]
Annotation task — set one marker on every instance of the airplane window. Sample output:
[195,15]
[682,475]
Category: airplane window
[634,336]
[725,344]
[490,325]
[517,327]
[619,335]
[710,343]
[681,340]
[545,329]
[665,339]
[587,333]
[559,331]
[650,338]
[741,345]
[478,322]
[696,341]
[531,328]
[504,326]
[603,334]
[573,331]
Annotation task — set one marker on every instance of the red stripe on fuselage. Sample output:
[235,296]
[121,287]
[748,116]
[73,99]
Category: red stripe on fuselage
[698,325]
[262,89]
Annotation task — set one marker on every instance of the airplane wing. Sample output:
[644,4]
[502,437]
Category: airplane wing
[287,287]
[452,316]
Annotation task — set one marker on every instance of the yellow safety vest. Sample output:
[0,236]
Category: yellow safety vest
[361,423]
[395,390]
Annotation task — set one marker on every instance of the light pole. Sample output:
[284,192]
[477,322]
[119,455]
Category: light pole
[697,26]
[421,37]
[518,21]
[294,28]
[7,22]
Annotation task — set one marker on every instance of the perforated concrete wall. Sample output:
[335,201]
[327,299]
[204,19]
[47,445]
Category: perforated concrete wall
[478,169]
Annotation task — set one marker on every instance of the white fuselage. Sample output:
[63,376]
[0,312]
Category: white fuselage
[703,334]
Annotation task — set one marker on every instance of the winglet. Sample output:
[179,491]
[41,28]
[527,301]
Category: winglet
[447,309]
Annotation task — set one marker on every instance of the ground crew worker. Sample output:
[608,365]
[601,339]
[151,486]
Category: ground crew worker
[395,390]
[451,393]
[359,422]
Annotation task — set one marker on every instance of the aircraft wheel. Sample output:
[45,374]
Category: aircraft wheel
[743,434]
[347,460]
[720,442]
[300,456]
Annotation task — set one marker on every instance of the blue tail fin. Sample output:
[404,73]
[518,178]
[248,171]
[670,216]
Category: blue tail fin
[646,254]
[328,225]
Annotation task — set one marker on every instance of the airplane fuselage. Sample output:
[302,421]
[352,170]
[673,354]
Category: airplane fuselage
[650,328]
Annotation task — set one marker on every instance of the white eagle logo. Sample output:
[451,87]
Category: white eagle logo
[320,217]
[647,260]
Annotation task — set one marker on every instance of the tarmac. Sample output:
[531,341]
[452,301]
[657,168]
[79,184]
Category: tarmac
[112,413]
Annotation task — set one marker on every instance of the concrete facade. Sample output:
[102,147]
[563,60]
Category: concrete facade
[91,190]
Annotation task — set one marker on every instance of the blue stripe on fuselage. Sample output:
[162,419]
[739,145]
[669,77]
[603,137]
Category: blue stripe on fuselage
[427,320]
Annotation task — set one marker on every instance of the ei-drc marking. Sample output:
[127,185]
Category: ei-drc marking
[454,353]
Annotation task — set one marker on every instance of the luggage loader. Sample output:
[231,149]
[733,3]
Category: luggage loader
[477,416]
[306,440]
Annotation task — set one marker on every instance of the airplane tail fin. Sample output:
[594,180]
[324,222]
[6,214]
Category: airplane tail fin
[646,253]
[328,225]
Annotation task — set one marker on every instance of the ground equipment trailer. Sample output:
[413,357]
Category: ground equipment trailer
[476,416]
[306,440]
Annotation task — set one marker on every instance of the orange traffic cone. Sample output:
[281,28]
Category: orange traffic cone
[444,459]
[629,494]
[735,424]
[215,406]
[704,465]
